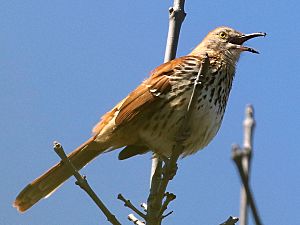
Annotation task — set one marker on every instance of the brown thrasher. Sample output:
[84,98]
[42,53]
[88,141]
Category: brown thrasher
[150,116]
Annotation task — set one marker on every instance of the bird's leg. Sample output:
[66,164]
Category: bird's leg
[169,168]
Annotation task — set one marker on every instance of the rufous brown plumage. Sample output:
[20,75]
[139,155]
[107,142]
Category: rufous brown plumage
[150,116]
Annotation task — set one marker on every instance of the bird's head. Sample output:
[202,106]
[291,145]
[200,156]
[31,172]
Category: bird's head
[226,41]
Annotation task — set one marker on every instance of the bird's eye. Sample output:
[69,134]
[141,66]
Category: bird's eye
[223,35]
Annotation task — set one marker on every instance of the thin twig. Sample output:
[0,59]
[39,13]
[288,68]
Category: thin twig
[249,125]
[237,156]
[83,184]
[128,204]
[135,220]
[168,214]
[144,206]
[169,197]
[176,17]
[230,221]
[242,159]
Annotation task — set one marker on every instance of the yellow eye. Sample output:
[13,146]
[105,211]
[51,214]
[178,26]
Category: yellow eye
[223,35]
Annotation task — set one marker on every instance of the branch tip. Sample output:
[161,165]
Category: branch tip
[230,221]
[168,214]
[127,203]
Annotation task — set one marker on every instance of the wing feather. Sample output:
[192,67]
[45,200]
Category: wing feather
[144,95]
[147,93]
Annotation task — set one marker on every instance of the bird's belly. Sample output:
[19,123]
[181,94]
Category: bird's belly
[205,126]
[160,132]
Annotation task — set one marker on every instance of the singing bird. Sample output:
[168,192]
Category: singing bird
[148,119]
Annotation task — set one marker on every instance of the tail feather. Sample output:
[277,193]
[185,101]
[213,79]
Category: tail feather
[47,183]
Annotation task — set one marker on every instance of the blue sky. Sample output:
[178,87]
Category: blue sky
[65,63]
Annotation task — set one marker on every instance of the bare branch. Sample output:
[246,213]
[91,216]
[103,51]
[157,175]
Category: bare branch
[83,184]
[168,214]
[237,156]
[230,221]
[144,206]
[128,204]
[176,18]
[135,220]
[169,197]
[249,124]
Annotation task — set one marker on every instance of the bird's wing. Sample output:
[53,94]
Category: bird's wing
[148,92]
[143,96]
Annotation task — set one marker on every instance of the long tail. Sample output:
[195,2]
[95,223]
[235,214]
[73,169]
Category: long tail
[55,176]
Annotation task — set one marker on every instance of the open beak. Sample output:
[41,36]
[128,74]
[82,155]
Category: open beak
[239,40]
